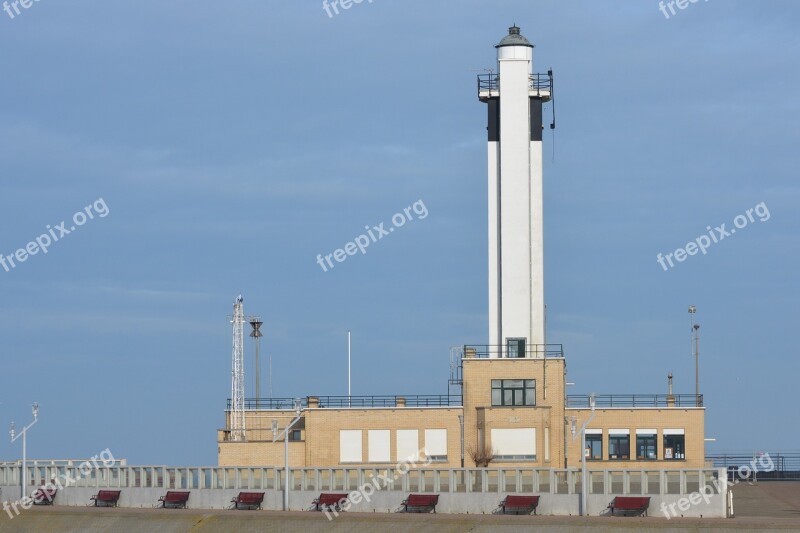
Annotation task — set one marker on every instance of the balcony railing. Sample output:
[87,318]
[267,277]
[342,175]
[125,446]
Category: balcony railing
[636,400]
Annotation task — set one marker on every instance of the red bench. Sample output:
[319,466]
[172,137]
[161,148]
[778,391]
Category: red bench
[248,500]
[328,500]
[44,496]
[519,504]
[629,505]
[106,498]
[420,503]
[174,499]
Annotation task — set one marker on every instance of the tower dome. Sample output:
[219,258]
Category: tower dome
[514,38]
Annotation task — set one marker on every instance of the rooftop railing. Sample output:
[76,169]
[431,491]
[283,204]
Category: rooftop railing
[503,351]
[636,400]
[339,402]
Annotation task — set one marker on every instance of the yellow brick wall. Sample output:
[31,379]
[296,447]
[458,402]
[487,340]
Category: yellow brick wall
[323,426]
[321,435]
[548,413]
[690,420]
[260,453]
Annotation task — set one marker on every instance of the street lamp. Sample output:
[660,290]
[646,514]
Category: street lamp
[298,404]
[461,425]
[23,482]
[696,348]
[574,428]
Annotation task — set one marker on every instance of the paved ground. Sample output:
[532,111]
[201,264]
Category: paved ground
[767,499]
[86,520]
[773,506]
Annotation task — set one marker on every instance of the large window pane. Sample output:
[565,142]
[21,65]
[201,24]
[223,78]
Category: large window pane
[594,443]
[513,392]
[619,447]
[497,397]
[646,447]
[674,447]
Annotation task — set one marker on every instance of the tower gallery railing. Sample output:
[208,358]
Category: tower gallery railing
[538,82]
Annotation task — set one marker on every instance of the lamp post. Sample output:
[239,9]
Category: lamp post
[23,481]
[567,419]
[584,488]
[275,436]
[696,348]
[461,425]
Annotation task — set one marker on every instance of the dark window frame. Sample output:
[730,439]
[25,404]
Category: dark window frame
[616,443]
[591,440]
[518,396]
[644,443]
[678,445]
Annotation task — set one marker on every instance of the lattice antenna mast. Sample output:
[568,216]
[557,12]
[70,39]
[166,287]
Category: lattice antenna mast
[237,372]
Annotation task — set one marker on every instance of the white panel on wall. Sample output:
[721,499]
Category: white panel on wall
[350,446]
[546,444]
[520,441]
[407,444]
[436,441]
[378,448]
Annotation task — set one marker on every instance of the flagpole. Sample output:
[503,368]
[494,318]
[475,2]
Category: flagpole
[349,390]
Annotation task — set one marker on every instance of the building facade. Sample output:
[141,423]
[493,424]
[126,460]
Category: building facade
[513,413]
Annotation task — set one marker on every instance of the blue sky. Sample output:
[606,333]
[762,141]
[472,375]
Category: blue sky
[233,142]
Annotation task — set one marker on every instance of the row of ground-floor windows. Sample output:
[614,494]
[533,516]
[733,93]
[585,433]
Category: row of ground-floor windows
[619,447]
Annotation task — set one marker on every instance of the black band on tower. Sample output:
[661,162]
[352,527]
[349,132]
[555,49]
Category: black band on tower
[494,119]
[536,119]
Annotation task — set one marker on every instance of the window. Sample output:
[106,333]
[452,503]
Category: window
[436,445]
[515,348]
[350,446]
[594,446]
[378,442]
[674,445]
[407,445]
[513,392]
[517,444]
[619,445]
[646,446]
[296,435]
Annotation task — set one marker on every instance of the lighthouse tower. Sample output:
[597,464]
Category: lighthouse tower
[514,97]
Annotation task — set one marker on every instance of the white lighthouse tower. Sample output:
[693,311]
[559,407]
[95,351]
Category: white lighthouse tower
[515,96]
